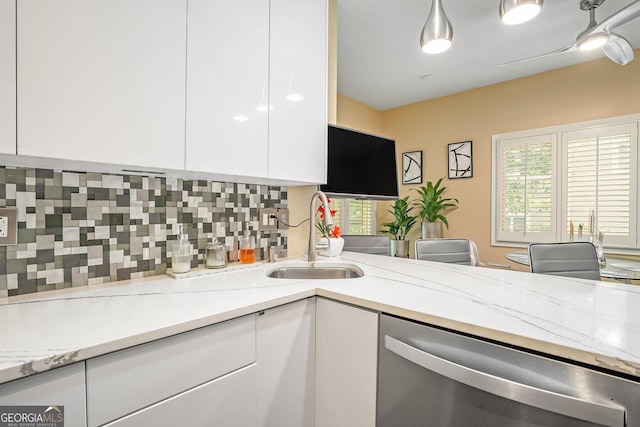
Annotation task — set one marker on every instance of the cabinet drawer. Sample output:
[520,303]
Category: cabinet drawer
[123,382]
[226,401]
[62,386]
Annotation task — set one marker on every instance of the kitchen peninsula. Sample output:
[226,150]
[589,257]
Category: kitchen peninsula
[592,323]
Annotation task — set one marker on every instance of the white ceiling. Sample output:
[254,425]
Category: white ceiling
[380,61]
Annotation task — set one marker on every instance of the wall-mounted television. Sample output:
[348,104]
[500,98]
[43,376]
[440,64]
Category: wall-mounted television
[360,165]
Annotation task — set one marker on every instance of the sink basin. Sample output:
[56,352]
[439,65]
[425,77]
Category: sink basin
[342,271]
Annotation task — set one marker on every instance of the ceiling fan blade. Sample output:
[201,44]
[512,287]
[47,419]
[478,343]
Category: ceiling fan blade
[572,47]
[618,49]
[621,17]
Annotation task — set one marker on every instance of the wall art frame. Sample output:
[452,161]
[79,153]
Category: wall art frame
[460,163]
[412,167]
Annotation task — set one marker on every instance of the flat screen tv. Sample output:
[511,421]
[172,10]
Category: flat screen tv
[360,166]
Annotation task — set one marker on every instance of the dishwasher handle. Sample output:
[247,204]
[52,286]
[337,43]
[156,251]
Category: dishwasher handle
[605,414]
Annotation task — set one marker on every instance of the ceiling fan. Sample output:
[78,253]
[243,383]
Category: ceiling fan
[616,47]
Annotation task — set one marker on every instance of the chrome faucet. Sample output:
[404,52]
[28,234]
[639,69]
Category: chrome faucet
[328,221]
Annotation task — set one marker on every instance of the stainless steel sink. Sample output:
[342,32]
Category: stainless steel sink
[342,271]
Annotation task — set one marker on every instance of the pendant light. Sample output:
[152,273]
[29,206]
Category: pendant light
[437,33]
[514,12]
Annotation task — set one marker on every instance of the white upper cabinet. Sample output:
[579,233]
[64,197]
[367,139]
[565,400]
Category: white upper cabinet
[8,76]
[102,80]
[298,90]
[227,87]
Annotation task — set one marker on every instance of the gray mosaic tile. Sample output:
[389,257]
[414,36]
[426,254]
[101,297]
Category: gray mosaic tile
[80,229]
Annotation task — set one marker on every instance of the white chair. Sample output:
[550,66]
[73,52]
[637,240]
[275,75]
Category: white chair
[477,262]
[377,244]
[570,259]
[454,251]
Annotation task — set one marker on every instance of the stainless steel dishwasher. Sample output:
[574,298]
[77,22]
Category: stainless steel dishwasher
[436,378]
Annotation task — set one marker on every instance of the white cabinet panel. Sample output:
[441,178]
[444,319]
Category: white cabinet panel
[346,365]
[286,365]
[298,66]
[227,401]
[123,382]
[8,76]
[62,386]
[102,80]
[227,78]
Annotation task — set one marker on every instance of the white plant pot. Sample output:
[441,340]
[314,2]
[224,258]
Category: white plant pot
[335,246]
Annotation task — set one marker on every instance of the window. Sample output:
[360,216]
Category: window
[355,216]
[547,180]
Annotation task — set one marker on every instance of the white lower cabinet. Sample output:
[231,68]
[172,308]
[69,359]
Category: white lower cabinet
[62,387]
[286,365]
[346,365]
[227,401]
[130,380]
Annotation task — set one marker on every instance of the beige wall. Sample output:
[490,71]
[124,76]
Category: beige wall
[593,90]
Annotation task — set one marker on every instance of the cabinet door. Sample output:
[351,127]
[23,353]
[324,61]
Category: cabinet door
[102,80]
[298,94]
[60,387]
[7,76]
[346,365]
[227,401]
[227,87]
[286,361]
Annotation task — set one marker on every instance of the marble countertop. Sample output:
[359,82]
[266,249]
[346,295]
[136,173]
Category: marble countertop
[597,323]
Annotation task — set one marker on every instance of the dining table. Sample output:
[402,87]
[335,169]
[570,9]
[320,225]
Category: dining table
[616,268]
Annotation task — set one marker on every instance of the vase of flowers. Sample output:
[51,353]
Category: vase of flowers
[331,235]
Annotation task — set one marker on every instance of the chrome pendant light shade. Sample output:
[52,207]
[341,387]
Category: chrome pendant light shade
[437,33]
[514,12]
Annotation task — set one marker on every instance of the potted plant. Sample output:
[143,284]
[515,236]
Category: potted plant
[402,223]
[331,235]
[432,207]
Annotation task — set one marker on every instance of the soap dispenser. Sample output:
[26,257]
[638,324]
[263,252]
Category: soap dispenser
[181,253]
[247,247]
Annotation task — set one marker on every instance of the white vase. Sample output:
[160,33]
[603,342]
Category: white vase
[335,246]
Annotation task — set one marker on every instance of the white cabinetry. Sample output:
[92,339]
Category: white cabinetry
[245,60]
[298,90]
[127,381]
[286,365]
[227,401]
[227,87]
[102,81]
[7,76]
[61,387]
[346,365]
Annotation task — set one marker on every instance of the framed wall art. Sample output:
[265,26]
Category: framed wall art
[412,167]
[460,160]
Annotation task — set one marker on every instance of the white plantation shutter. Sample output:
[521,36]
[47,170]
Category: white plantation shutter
[544,180]
[599,178]
[526,190]
[355,216]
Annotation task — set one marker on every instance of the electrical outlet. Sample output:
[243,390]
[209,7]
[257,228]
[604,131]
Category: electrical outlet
[8,226]
[283,219]
[266,221]
[4,226]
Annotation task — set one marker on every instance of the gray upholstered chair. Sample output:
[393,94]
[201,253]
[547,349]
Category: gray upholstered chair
[377,244]
[570,259]
[455,251]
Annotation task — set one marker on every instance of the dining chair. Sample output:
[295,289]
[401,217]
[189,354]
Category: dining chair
[477,262]
[454,251]
[377,244]
[569,259]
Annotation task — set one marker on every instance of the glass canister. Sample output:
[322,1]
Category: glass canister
[247,248]
[181,253]
[216,255]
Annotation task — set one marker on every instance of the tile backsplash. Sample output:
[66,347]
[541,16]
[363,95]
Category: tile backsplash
[84,228]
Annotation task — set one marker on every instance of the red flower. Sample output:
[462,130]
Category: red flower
[335,231]
[321,210]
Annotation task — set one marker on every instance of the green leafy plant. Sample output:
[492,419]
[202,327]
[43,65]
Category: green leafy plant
[432,204]
[403,220]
